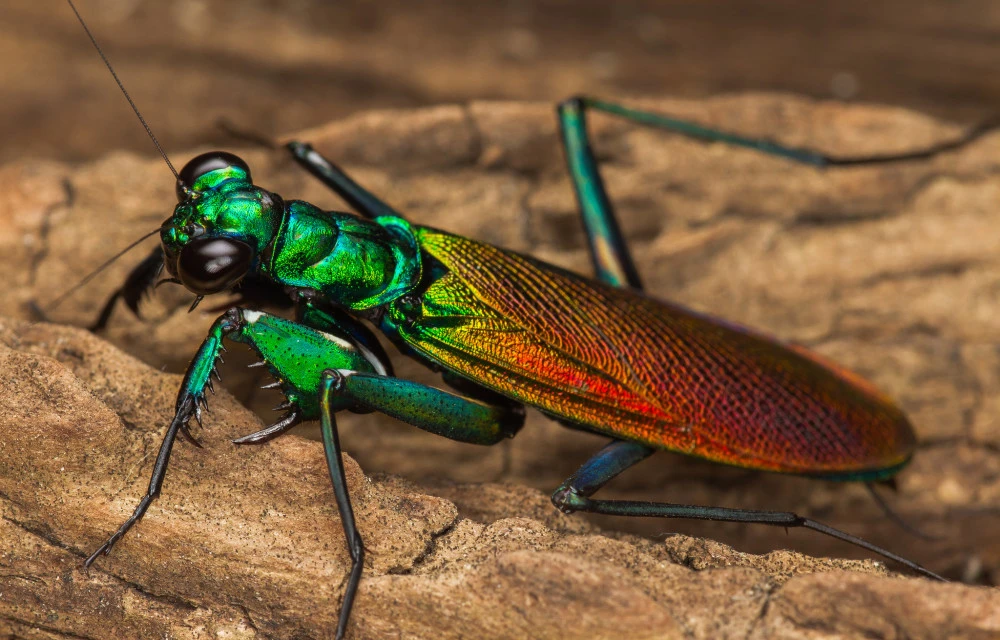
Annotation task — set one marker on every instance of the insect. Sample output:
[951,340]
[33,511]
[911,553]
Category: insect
[507,332]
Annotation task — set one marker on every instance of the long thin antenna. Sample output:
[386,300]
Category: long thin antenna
[93,274]
[114,75]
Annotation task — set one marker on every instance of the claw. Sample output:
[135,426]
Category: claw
[272,385]
[270,432]
[186,432]
[283,406]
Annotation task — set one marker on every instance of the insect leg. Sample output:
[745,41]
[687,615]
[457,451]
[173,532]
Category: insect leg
[574,495]
[139,281]
[192,392]
[431,409]
[334,462]
[608,250]
[440,412]
[336,322]
[360,199]
[333,320]
[796,154]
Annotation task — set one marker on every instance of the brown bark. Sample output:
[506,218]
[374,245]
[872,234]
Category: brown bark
[890,270]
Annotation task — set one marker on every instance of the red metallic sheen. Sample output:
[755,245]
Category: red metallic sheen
[620,363]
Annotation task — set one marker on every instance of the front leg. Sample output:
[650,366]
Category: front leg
[335,464]
[190,400]
[139,282]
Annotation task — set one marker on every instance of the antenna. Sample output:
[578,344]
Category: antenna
[121,86]
[93,274]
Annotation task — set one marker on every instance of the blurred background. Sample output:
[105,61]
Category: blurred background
[276,66]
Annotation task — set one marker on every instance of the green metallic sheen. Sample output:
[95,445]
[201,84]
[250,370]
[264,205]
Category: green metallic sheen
[507,331]
[360,263]
[232,207]
[297,356]
[434,410]
[200,370]
[212,179]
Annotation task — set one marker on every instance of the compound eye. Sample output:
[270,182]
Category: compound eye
[211,265]
[205,163]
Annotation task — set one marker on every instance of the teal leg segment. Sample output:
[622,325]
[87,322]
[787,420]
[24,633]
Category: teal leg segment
[795,154]
[335,321]
[360,199]
[574,495]
[425,407]
[190,400]
[334,462]
[440,412]
[612,261]
[608,252]
[693,130]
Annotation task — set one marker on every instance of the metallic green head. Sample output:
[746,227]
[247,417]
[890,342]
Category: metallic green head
[221,226]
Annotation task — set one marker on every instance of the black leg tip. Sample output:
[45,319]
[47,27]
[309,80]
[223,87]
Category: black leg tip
[298,148]
[573,103]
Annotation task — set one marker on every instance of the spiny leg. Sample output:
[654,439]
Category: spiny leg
[253,291]
[574,495]
[190,399]
[360,199]
[334,322]
[139,282]
[609,252]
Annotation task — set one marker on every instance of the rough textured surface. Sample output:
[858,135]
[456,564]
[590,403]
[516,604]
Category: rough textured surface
[245,542]
[891,270]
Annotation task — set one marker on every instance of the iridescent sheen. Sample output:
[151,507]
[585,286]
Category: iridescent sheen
[605,358]
[623,364]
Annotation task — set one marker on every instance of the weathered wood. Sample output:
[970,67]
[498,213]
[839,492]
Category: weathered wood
[891,270]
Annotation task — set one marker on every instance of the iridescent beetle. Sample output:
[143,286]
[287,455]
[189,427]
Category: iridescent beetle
[507,331]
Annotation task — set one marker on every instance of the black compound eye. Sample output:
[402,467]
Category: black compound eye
[204,163]
[210,265]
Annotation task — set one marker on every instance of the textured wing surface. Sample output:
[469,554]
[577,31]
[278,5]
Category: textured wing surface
[624,364]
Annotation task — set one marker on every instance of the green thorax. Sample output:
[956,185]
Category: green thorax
[355,263]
